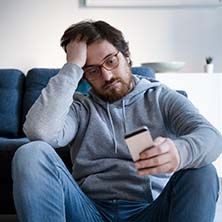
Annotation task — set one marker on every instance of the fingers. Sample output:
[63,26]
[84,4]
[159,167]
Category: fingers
[78,39]
[165,168]
[157,141]
[76,52]
[160,147]
[153,162]
[163,157]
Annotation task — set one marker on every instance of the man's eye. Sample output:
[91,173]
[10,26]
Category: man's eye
[92,71]
[110,61]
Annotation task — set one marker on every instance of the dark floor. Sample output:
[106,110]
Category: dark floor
[8,218]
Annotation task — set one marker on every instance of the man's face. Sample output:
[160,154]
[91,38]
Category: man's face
[107,71]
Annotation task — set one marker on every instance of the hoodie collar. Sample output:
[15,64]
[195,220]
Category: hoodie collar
[141,86]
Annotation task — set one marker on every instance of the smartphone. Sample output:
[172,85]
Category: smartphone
[138,140]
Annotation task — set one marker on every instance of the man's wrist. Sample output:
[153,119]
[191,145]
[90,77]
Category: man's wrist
[73,71]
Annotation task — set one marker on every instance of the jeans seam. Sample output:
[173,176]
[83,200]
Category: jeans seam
[171,202]
[88,201]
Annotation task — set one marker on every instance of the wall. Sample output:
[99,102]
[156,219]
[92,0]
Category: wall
[31,30]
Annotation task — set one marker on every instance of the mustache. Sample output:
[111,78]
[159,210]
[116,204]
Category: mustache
[107,83]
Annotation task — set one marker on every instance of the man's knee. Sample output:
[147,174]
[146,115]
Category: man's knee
[28,157]
[203,180]
[204,176]
[210,181]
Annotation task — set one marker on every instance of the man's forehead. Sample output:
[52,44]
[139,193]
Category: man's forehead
[98,51]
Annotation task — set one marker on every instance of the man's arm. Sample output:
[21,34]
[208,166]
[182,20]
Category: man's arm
[53,118]
[196,143]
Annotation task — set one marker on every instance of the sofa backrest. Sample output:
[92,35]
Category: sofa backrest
[11,93]
[36,80]
[18,93]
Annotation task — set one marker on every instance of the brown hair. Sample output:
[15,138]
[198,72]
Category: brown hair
[93,31]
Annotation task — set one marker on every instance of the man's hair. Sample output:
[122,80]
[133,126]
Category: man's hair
[92,31]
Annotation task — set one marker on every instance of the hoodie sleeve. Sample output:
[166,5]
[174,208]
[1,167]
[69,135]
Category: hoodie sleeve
[197,141]
[53,117]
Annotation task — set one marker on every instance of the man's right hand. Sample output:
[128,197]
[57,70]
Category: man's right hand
[76,52]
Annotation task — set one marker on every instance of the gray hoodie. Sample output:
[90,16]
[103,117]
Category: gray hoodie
[95,129]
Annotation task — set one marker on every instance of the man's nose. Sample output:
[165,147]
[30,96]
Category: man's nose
[107,75]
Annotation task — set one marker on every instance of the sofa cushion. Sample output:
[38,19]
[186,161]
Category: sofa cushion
[11,92]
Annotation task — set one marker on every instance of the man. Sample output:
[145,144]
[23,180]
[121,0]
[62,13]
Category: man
[172,181]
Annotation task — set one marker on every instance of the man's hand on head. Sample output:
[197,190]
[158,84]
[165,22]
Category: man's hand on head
[163,157]
[76,52]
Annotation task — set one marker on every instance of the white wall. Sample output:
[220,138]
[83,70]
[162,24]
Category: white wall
[30,31]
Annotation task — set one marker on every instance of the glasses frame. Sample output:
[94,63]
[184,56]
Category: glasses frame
[92,77]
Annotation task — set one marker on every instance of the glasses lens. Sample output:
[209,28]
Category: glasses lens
[92,72]
[111,63]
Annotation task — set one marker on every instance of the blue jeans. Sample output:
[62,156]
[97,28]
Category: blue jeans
[45,191]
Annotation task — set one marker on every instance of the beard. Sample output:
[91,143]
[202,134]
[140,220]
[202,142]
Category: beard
[112,94]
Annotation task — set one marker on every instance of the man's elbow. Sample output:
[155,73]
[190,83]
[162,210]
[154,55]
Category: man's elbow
[34,132]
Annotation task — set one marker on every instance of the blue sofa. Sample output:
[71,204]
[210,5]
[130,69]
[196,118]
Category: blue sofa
[17,94]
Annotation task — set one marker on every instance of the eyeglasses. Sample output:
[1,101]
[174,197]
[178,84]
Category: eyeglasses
[94,72]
